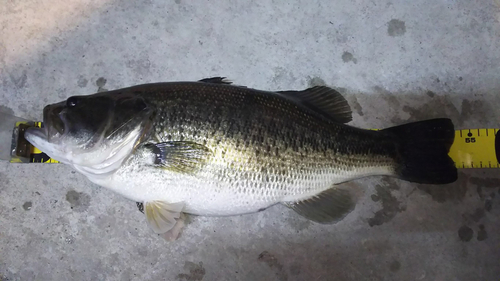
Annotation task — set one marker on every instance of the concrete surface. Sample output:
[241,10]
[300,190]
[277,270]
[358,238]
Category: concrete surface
[394,60]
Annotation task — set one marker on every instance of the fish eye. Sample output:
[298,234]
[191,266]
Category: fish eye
[71,102]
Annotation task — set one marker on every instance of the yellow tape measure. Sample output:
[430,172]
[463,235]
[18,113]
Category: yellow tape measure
[476,148]
[472,148]
[22,150]
[37,155]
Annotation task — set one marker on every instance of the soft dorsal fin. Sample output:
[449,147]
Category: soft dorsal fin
[329,206]
[216,80]
[324,100]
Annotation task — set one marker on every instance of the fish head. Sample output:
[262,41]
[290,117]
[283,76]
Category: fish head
[93,131]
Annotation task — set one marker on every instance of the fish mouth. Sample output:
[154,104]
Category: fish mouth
[53,124]
[53,121]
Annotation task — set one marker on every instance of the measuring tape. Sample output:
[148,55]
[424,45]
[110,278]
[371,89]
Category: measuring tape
[472,148]
[22,150]
[476,148]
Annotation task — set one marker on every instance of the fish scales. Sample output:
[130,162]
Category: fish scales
[210,148]
[264,144]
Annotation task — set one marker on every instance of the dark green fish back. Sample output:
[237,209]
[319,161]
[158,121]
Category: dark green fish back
[229,150]
[263,126]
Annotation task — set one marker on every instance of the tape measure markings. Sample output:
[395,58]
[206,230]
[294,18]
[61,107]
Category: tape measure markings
[473,148]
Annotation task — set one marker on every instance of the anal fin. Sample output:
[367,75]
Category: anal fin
[329,206]
[162,216]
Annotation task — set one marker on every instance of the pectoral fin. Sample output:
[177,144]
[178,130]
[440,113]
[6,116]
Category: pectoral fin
[161,216]
[329,206]
[180,156]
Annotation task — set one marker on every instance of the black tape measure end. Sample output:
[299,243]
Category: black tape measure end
[497,146]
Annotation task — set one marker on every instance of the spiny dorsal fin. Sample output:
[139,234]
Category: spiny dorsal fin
[216,80]
[324,100]
[329,206]
[180,156]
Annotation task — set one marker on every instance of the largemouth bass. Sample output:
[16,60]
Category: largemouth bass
[211,148]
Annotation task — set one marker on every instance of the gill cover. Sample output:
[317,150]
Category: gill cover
[94,133]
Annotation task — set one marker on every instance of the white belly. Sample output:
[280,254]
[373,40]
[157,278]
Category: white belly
[208,195]
[201,195]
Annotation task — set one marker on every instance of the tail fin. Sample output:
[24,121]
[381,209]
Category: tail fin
[423,151]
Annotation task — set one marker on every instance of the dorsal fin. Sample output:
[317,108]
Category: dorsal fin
[324,100]
[216,80]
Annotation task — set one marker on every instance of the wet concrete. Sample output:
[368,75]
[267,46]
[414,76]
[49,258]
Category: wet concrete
[393,62]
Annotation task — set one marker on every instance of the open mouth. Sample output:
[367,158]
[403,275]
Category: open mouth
[53,122]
